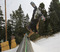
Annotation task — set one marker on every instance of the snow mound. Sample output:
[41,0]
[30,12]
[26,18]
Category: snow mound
[51,44]
[12,50]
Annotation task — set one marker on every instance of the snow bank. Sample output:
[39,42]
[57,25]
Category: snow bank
[12,50]
[51,44]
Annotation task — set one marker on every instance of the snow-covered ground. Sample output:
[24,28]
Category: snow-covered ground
[11,50]
[51,44]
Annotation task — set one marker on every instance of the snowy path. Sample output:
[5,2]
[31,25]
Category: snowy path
[51,44]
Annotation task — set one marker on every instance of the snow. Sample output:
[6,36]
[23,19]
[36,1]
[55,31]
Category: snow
[12,50]
[51,44]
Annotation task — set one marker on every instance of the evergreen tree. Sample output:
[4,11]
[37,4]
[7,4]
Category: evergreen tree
[43,25]
[1,25]
[17,16]
[54,15]
[49,31]
[9,30]
[42,8]
[26,20]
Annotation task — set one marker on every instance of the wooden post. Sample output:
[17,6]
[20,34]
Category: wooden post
[5,21]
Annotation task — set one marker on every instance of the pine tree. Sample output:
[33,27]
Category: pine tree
[43,25]
[42,8]
[26,20]
[49,29]
[56,6]
[17,16]
[54,15]
[9,30]
[1,25]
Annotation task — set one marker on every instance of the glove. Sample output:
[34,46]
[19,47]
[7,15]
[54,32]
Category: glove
[43,18]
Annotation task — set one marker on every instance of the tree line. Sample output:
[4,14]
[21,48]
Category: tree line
[17,23]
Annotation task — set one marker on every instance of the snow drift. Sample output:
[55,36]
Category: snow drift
[51,44]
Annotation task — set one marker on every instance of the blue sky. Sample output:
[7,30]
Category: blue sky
[13,5]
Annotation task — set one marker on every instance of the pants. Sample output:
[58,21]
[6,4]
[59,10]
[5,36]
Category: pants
[33,25]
